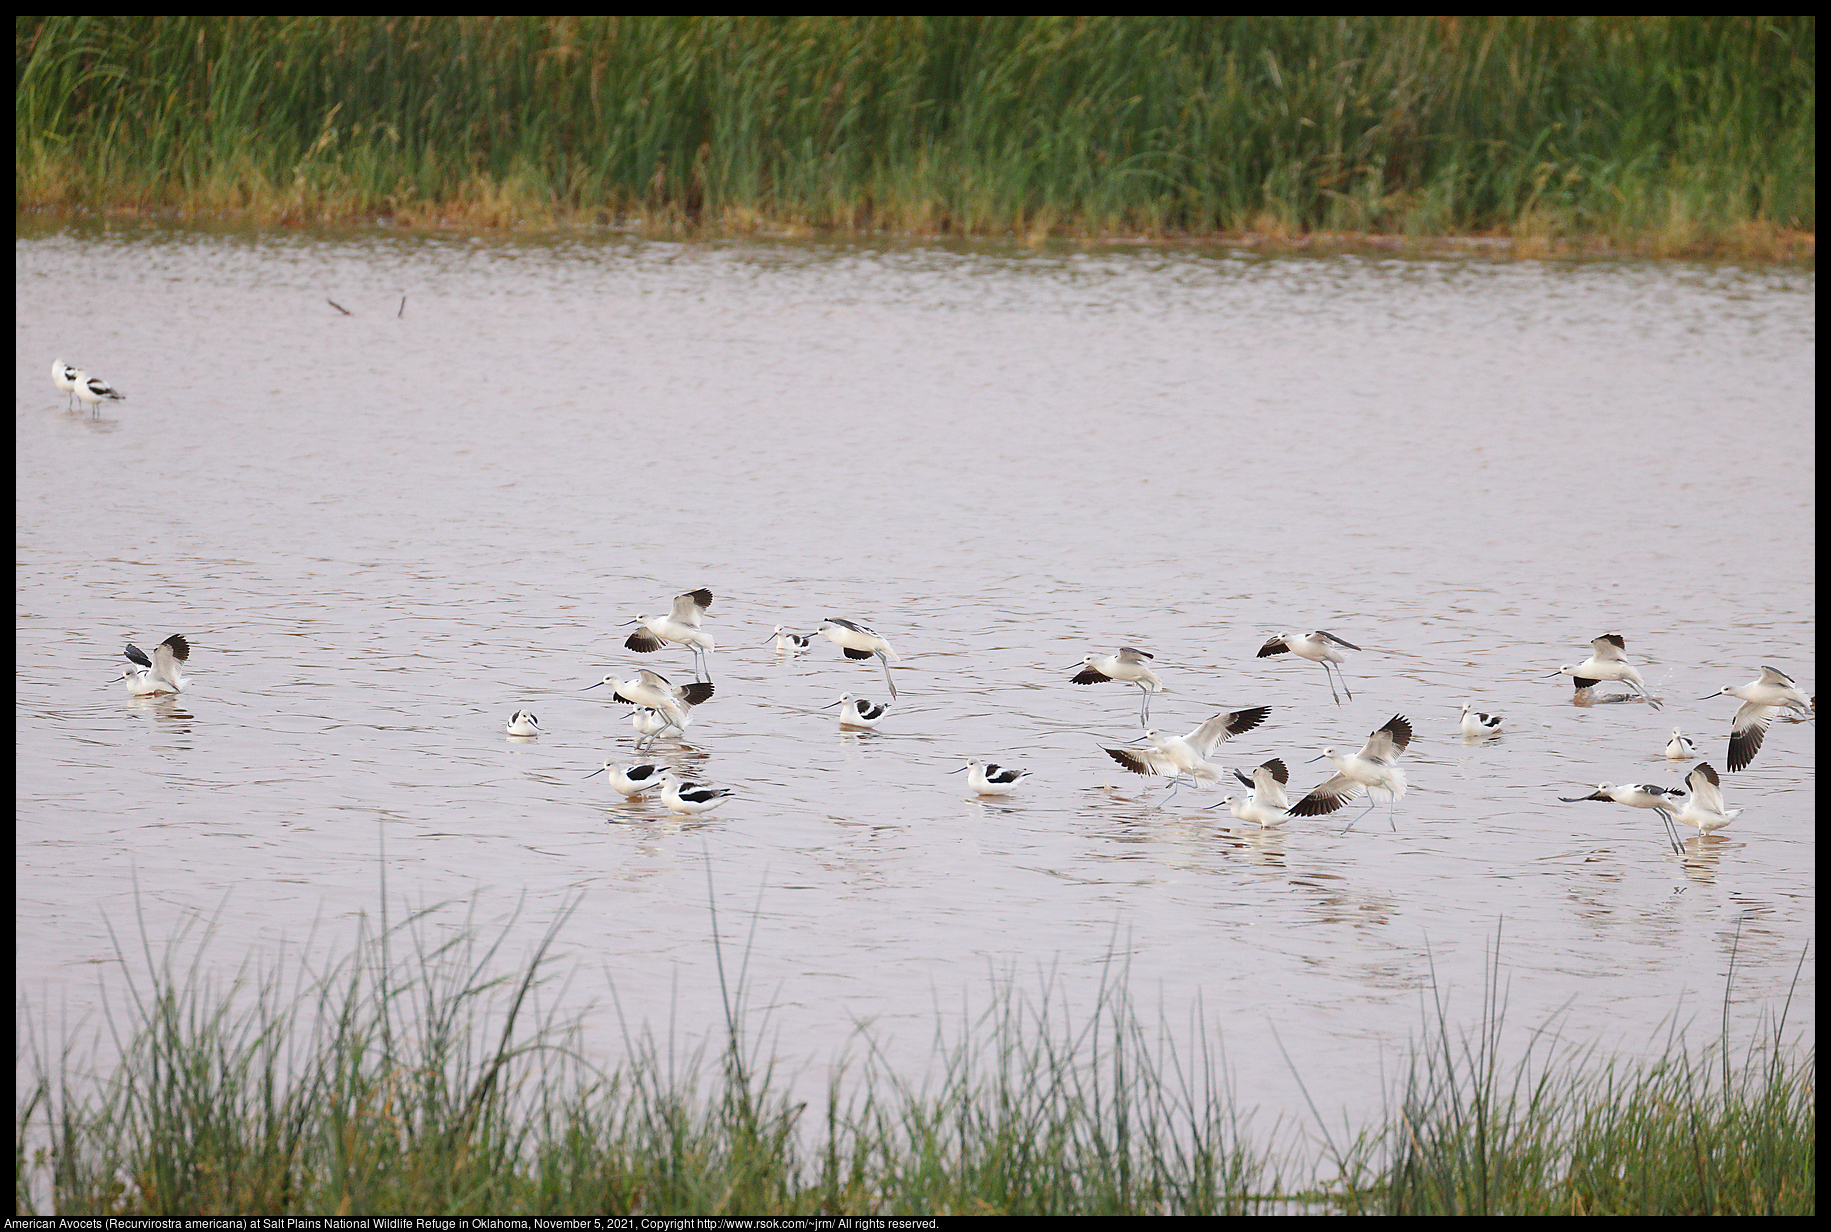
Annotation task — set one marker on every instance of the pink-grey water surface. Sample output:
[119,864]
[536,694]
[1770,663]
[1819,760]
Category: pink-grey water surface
[382,534]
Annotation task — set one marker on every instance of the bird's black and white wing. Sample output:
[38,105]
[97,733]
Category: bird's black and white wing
[1143,761]
[1334,792]
[1224,727]
[690,606]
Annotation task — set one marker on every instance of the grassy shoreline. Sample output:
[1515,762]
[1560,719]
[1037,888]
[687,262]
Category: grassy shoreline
[417,1074]
[1658,136]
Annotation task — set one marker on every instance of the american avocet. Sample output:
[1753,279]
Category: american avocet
[64,377]
[523,723]
[656,692]
[991,779]
[1475,723]
[158,674]
[861,642]
[1317,647]
[631,780]
[1176,756]
[1606,663]
[1760,699]
[648,722]
[1264,802]
[689,797]
[1680,747]
[1662,800]
[787,642]
[94,390]
[1129,665]
[681,625]
[1374,768]
[1704,812]
[857,712]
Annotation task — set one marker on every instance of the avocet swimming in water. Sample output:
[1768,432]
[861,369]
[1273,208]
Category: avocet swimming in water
[1608,662]
[1317,647]
[689,797]
[857,712]
[158,674]
[631,780]
[1130,665]
[1180,756]
[681,625]
[1662,800]
[861,642]
[94,390]
[523,723]
[1374,768]
[991,779]
[787,643]
[1704,811]
[1760,699]
[1264,802]
[1475,723]
[1680,747]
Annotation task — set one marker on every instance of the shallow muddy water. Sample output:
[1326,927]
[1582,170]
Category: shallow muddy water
[383,533]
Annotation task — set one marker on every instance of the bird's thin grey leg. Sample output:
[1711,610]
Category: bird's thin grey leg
[1362,813]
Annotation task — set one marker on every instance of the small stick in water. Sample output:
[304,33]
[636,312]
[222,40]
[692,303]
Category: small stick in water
[403,311]
[339,307]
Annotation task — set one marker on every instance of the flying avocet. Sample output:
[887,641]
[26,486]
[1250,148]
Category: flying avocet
[1374,768]
[1760,699]
[1129,665]
[861,642]
[1317,647]
[681,626]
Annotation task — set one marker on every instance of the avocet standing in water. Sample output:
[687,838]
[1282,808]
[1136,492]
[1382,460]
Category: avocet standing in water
[1374,768]
[857,712]
[1179,756]
[1608,662]
[689,797]
[648,722]
[1704,812]
[1760,699]
[158,674]
[94,390]
[1662,800]
[1317,647]
[861,642]
[1264,802]
[1129,665]
[523,723]
[631,780]
[64,377]
[1475,723]
[681,625]
[991,779]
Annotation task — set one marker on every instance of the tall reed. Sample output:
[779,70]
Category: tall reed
[1562,1132]
[1670,130]
[424,1072]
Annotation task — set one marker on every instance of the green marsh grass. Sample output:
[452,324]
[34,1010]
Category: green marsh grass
[1663,134]
[428,1071]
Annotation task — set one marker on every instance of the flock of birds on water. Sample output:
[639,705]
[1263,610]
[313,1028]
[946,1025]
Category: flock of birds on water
[660,707]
